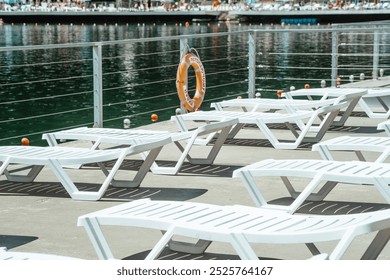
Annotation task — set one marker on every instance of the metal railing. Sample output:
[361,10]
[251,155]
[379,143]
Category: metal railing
[59,86]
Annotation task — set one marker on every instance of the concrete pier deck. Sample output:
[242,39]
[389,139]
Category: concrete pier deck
[40,216]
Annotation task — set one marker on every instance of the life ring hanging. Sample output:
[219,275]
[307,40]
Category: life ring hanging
[191,104]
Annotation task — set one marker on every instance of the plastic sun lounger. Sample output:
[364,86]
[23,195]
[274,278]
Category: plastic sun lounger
[57,158]
[239,226]
[363,146]
[134,136]
[320,119]
[291,105]
[17,256]
[364,103]
[322,176]
[359,145]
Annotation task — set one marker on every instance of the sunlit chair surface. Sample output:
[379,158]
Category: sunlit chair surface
[58,158]
[290,104]
[305,126]
[312,179]
[183,140]
[366,148]
[375,103]
[240,226]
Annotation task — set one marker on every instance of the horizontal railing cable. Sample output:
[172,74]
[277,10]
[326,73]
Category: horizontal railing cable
[138,70]
[47,80]
[45,97]
[46,115]
[45,63]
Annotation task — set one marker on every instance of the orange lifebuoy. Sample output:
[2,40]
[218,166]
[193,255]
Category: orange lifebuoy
[191,104]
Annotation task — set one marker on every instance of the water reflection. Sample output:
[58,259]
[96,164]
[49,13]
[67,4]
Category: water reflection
[134,74]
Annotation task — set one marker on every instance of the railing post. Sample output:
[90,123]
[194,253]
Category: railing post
[97,86]
[375,63]
[251,65]
[183,51]
[183,47]
[335,43]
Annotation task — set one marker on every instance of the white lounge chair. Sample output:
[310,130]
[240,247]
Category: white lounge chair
[239,226]
[317,122]
[308,179]
[291,105]
[56,158]
[133,136]
[17,256]
[365,147]
[379,109]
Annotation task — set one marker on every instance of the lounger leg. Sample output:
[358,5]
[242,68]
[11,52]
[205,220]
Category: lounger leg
[313,249]
[383,188]
[30,177]
[324,152]
[308,190]
[186,150]
[210,157]
[242,247]
[222,136]
[233,132]
[346,114]
[67,183]
[161,244]
[318,196]
[144,169]
[384,155]
[32,174]
[377,245]
[97,238]
[185,247]
[252,188]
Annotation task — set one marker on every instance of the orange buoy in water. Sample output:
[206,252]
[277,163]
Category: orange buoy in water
[187,24]
[307,86]
[154,117]
[279,93]
[25,142]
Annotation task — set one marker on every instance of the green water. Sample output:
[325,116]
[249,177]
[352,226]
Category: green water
[135,75]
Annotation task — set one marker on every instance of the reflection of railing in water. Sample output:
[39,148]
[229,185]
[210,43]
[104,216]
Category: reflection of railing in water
[112,82]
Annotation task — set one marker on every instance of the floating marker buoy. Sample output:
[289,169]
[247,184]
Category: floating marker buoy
[126,123]
[307,86]
[25,141]
[279,93]
[154,117]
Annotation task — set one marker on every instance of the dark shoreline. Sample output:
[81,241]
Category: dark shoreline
[276,17]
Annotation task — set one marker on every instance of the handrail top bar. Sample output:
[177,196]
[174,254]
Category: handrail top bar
[192,36]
